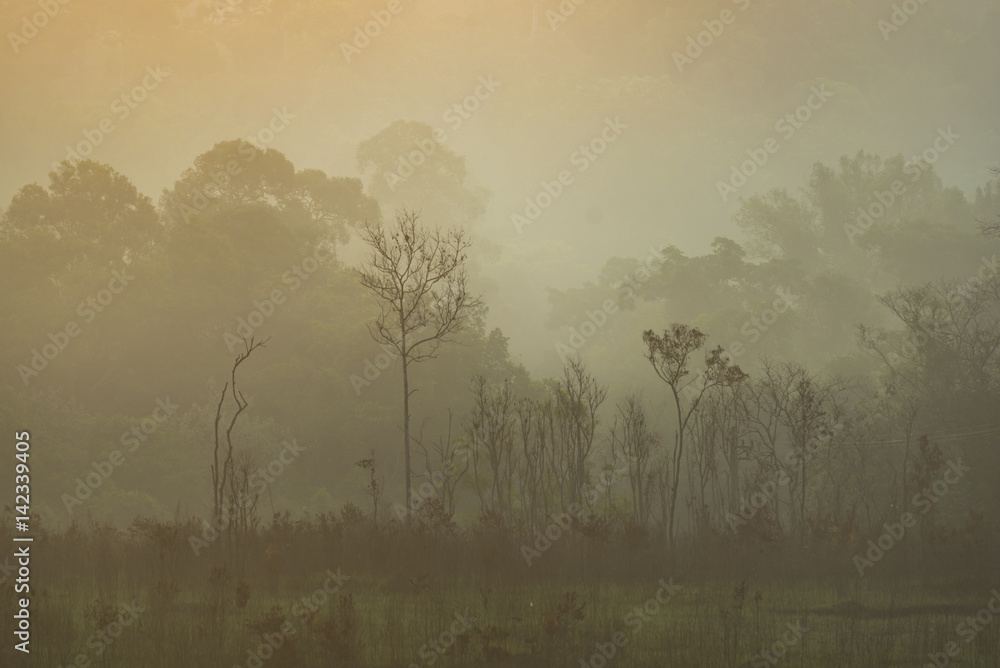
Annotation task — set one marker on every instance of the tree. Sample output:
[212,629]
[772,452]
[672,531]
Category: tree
[578,396]
[948,350]
[90,214]
[634,439]
[988,228]
[238,175]
[418,277]
[407,162]
[231,173]
[808,414]
[373,488]
[444,476]
[220,476]
[242,496]
[670,355]
[491,428]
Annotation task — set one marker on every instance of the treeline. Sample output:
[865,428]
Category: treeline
[116,306]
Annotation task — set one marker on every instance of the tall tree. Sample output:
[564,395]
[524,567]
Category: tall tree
[670,356]
[236,173]
[408,162]
[90,214]
[419,278]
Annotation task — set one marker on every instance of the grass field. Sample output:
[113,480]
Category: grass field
[145,599]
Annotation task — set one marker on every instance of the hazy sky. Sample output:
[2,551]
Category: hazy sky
[688,88]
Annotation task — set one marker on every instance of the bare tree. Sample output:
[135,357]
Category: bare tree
[762,405]
[243,490]
[634,440]
[578,397]
[813,406]
[491,428]
[453,462]
[419,278]
[221,476]
[720,433]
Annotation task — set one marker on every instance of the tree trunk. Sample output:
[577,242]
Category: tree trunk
[734,472]
[679,453]
[406,434]
[802,511]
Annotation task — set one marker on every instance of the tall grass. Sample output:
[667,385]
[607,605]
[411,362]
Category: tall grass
[432,594]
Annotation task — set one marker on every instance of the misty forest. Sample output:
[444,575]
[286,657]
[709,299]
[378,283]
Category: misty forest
[517,333]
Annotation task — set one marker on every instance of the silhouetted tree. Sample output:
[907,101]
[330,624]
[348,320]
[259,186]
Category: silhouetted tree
[220,476]
[670,355]
[419,278]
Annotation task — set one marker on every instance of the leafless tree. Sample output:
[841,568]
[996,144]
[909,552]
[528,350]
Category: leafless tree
[762,404]
[220,476]
[578,397]
[813,407]
[532,462]
[418,277]
[243,490]
[451,463]
[635,442]
[491,428]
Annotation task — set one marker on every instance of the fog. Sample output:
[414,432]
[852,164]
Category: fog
[494,321]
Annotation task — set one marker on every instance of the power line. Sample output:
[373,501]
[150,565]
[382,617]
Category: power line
[954,436]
